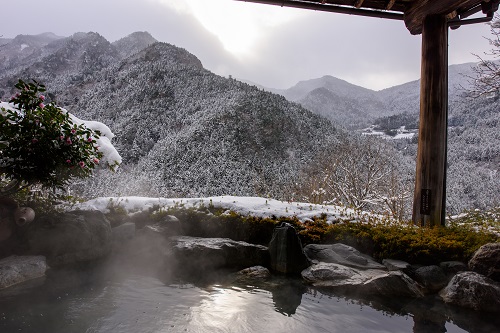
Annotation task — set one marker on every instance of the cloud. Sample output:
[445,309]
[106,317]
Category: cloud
[269,45]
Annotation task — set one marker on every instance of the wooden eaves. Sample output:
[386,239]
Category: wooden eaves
[412,12]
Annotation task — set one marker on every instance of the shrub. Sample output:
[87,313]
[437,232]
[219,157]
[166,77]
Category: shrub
[40,145]
[422,245]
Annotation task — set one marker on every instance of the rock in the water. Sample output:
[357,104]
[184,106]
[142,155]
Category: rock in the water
[486,261]
[394,283]
[71,237]
[341,254]
[332,275]
[473,290]
[451,268]
[351,280]
[431,277]
[17,269]
[254,273]
[211,253]
[286,252]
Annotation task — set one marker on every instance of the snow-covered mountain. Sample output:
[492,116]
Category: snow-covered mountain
[355,107]
[134,43]
[341,102]
[23,50]
[184,131]
[181,130]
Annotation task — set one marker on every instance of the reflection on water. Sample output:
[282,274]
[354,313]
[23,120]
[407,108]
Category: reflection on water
[96,300]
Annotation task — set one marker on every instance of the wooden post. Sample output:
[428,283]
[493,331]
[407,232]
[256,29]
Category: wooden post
[430,182]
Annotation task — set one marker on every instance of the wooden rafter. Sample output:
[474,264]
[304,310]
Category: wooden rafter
[419,9]
[413,11]
[358,3]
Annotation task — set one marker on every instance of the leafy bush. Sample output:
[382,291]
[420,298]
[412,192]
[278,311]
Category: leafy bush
[406,242]
[40,145]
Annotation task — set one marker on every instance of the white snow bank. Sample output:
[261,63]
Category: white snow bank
[110,154]
[246,206]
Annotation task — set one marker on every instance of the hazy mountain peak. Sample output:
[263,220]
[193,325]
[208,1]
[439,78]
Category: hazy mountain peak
[82,34]
[143,35]
[133,43]
[49,35]
[168,53]
[35,40]
[24,49]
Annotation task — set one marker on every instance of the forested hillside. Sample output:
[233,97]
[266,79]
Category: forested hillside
[184,131]
[473,136]
[181,130]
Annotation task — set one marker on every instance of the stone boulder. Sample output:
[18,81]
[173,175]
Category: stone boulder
[72,237]
[168,225]
[396,265]
[473,290]
[259,273]
[286,252]
[341,254]
[334,275]
[450,268]
[432,278]
[363,282]
[123,233]
[212,253]
[486,261]
[17,269]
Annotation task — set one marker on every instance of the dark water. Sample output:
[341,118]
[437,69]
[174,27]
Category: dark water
[97,299]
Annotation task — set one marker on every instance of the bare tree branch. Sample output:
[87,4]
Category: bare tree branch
[487,73]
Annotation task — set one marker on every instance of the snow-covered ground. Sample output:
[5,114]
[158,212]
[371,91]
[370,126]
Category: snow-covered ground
[258,207]
[246,206]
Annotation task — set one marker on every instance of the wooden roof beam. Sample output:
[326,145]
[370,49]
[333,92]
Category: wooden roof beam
[390,3]
[330,7]
[358,3]
[419,9]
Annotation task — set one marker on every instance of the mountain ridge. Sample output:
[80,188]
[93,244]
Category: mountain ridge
[183,130]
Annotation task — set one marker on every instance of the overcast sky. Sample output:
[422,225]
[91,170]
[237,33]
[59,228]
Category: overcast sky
[272,46]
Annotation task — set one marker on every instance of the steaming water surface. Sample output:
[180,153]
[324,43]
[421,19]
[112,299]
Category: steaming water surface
[93,300]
